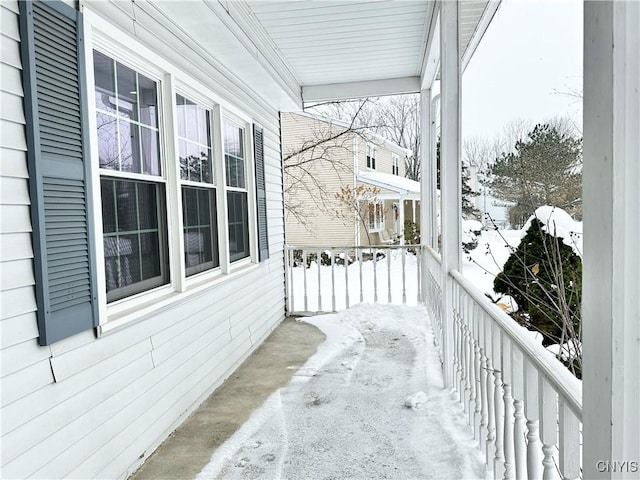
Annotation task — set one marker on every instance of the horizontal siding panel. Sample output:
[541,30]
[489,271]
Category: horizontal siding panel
[212,331]
[90,386]
[14,191]
[10,52]
[12,109]
[11,80]
[15,246]
[43,427]
[12,135]
[17,301]
[23,382]
[22,355]
[9,22]
[118,420]
[43,450]
[18,329]
[13,163]
[151,421]
[16,274]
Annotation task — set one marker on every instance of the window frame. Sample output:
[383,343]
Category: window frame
[103,36]
[371,155]
[378,221]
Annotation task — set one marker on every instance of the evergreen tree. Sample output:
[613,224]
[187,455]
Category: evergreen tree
[544,169]
[469,211]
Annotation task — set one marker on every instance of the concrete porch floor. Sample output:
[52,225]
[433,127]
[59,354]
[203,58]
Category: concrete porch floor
[189,448]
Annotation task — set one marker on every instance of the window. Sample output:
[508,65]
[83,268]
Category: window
[132,190]
[395,164]
[237,203]
[376,216]
[199,214]
[371,156]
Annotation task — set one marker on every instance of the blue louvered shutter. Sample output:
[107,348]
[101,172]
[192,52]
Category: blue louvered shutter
[56,111]
[261,197]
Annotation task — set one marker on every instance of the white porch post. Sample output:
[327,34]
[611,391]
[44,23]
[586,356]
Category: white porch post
[401,219]
[450,182]
[427,172]
[611,285]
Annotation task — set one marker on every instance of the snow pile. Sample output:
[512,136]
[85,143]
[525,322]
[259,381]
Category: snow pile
[349,420]
[416,401]
[559,224]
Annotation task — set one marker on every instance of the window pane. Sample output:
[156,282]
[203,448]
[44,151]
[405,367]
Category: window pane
[194,162]
[108,206]
[107,141]
[129,147]
[127,92]
[191,115]
[184,160]
[205,161]
[148,99]
[150,156]
[135,254]
[104,72]
[200,229]
[180,112]
[238,225]
[203,125]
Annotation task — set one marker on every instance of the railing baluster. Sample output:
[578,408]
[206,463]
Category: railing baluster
[491,404]
[389,275]
[468,361]
[498,462]
[569,443]
[532,413]
[548,428]
[404,278]
[375,275]
[360,252]
[519,438]
[319,263]
[419,298]
[304,270]
[346,277]
[333,280]
[508,409]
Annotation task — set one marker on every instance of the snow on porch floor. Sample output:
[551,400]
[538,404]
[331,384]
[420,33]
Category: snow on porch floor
[369,404]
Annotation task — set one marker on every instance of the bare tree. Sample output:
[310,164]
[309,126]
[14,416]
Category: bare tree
[359,200]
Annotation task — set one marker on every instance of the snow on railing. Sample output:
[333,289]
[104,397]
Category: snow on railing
[328,279]
[524,406]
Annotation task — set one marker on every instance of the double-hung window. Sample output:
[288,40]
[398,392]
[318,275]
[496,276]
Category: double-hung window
[199,217]
[376,216]
[236,189]
[371,156]
[131,184]
[395,164]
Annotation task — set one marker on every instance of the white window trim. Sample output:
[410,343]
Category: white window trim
[378,226]
[101,35]
[371,147]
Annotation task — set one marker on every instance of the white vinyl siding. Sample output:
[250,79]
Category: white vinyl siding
[96,408]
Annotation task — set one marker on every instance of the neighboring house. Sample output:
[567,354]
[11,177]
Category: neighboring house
[313,178]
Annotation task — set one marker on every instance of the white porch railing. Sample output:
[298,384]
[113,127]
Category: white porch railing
[524,406]
[318,279]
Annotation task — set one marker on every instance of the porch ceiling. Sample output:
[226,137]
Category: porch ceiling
[372,47]
[290,52]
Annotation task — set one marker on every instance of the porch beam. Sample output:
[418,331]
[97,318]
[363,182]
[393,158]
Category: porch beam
[450,169]
[611,175]
[371,88]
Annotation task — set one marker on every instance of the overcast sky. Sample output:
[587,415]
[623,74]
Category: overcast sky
[532,50]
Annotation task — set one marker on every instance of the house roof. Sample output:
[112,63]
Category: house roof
[372,137]
[400,185]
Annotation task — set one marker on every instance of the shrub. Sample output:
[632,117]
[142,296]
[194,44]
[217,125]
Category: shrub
[544,276]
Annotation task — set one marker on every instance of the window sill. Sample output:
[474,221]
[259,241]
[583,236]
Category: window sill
[165,297]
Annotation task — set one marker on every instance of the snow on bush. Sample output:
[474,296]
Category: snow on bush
[558,223]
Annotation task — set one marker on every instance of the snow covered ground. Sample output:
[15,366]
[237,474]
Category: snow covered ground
[368,404]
